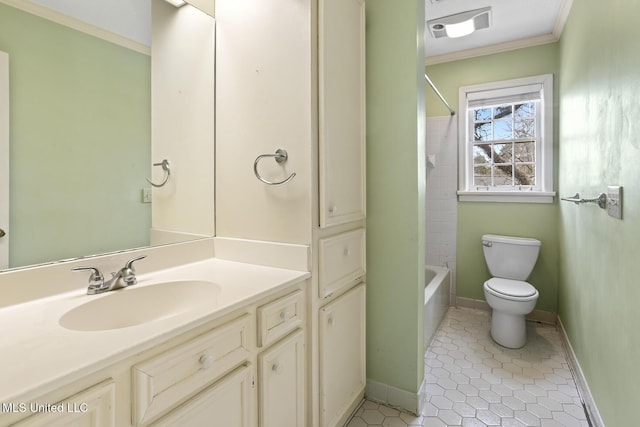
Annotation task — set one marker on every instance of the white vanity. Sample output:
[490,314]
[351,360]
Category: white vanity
[261,325]
[229,355]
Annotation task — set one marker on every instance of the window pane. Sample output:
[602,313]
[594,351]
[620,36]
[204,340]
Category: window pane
[502,130]
[482,132]
[525,151]
[481,154]
[525,110]
[482,176]
[503,175]
[481,114]
[525,128]
[525,175]
[503,112]
[503,153]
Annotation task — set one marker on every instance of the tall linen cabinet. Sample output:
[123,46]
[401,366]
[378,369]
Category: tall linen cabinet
[290,75]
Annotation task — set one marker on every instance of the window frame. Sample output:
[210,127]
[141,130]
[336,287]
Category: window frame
[542,192]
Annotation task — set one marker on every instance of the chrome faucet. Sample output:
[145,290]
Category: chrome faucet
[126,276]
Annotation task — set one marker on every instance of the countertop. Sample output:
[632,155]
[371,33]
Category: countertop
[37,353]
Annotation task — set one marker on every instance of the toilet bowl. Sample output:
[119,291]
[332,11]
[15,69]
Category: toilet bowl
[509,308]
[511,298]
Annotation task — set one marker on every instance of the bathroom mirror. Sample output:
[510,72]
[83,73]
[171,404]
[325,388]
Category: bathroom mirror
[80,98]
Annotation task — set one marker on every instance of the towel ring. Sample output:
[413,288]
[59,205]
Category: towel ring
[167,172]
[280,156]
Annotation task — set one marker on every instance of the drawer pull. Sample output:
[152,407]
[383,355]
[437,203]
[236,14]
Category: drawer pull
[206,361]
[276,368]
[347,252]
[285,315]
[333,209]
[331,321]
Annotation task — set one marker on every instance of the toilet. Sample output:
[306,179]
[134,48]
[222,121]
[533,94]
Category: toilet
[511,298]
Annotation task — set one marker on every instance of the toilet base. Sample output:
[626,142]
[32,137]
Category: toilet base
[508,330]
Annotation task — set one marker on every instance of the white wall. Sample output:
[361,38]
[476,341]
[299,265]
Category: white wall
[264,98]
[183,122]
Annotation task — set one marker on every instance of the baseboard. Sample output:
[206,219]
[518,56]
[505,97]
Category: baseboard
[581,381]
[536,315]
[395,397]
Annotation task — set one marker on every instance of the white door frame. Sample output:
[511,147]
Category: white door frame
[4,159]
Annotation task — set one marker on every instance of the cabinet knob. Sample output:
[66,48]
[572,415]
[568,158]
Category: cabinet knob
[331,321]
[206,361]
[347,252]
[276,368]
[333,209]
[285,315]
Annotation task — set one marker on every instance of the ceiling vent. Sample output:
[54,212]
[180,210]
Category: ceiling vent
[460,24]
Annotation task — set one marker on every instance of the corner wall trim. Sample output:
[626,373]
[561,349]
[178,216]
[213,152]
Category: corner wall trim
[581,381]
[395,397]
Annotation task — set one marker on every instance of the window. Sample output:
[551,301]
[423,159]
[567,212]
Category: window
[506,141]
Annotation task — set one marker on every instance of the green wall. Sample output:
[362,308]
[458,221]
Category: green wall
[599,146]
[396,170]
[520,219]
[80,114]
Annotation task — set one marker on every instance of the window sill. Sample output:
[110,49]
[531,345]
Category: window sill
[506,196]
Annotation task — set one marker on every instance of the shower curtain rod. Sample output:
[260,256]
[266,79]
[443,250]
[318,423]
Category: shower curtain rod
[435,89]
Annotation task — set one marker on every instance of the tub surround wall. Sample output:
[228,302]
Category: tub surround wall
[518,219]
[442,201]
[599,269]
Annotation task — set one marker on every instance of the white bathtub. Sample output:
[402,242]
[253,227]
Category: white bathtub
[437,291]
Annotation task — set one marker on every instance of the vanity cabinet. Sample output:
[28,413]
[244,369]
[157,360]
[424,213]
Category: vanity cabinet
[282,383]
[93,407]
[342,355]
[341,111]
[229,402]
[175,375]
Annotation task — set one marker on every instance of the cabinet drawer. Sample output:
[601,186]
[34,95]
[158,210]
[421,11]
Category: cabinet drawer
[228,402]
[174,375]
[341,261]
[279,317]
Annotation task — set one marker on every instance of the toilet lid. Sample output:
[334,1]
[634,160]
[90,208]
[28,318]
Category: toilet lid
[515,288]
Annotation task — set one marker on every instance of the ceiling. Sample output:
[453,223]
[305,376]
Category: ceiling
[514,24]
[131,19]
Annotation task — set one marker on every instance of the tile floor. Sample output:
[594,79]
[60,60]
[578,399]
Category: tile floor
[472,381]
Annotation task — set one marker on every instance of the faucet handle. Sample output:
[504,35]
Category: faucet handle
[128,273]
[96,280]
[95,273]
[129,264]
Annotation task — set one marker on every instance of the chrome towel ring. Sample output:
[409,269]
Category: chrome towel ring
[167,172]
[280,156]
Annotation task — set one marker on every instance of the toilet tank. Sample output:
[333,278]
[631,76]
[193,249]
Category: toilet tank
[510,257]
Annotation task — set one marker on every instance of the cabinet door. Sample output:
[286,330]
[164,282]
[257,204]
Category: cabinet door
[341,111]
[229,402]
[93,407]
[342,355]
[282,384]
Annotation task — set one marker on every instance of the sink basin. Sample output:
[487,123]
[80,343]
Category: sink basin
[137,305]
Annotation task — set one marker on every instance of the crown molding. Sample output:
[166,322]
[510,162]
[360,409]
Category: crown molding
[76,24]
[488,50]
[563,16]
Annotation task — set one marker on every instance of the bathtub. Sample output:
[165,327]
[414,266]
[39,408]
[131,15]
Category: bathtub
[437,291]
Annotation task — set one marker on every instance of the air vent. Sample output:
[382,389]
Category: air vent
[469,22]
